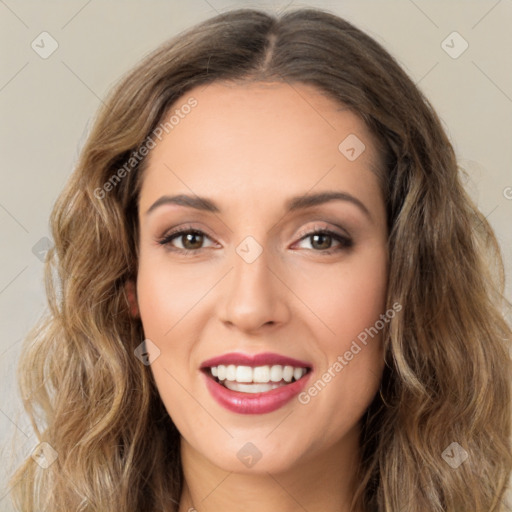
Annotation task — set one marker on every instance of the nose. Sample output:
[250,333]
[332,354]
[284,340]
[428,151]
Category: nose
[254,295]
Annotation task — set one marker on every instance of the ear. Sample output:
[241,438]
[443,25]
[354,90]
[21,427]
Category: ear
[131,294]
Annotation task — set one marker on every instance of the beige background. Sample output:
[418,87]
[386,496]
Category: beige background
[46,104]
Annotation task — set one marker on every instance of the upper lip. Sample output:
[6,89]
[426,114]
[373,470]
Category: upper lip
[263,359]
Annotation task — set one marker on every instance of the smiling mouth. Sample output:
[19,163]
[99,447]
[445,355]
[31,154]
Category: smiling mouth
[258,379]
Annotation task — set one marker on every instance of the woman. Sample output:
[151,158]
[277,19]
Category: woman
[271,291]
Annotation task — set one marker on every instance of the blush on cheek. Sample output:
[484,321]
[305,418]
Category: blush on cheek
[354,308]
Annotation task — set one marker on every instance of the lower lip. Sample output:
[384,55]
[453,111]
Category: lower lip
[254,403]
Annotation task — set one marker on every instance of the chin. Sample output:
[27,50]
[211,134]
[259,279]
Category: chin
[258,456]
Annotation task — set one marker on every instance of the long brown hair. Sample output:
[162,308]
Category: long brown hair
[448,369]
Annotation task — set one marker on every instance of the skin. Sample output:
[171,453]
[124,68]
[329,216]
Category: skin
[249,147]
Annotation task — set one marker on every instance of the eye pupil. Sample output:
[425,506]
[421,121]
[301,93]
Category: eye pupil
[324,236]
[190,236]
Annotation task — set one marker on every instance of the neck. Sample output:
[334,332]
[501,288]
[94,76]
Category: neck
[324,483]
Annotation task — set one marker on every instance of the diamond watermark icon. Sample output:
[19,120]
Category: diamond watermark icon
[147,352]
[454,455]
[44,45]
[249,454]
[41,247]
[44,455]
[249,249]
[351,147]
[454,45]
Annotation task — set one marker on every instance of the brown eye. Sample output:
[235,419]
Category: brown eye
[322,240]
[191,240]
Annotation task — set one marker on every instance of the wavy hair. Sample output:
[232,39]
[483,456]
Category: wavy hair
[448,368]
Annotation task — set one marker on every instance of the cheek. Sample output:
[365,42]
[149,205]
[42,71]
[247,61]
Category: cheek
[353,359]
[163,301]
[165,295]
[169,301]
[346,298]
[349,302]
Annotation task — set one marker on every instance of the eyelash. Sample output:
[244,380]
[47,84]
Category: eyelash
[166,240]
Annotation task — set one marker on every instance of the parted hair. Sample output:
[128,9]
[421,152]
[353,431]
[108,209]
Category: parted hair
[447,376]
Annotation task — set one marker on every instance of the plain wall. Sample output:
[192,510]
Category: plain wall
[45,106]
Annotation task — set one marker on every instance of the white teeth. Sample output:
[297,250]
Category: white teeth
[276,373]
[251,388]
[221,372]
[243,374]
[298,373]
[288,373]
[259,374]
[231,372]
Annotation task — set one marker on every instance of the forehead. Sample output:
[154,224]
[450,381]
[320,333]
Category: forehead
[255,141]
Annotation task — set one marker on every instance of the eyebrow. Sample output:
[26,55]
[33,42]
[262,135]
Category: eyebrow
[296,203]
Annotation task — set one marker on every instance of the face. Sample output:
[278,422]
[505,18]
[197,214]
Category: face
[265,312]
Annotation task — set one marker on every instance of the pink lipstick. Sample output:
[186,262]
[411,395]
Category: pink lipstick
[255,384]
